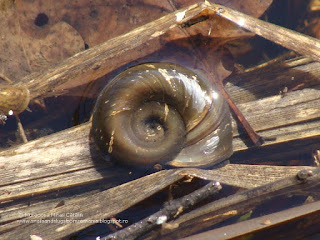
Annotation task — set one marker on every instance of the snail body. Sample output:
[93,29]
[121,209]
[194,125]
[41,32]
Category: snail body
[162,113]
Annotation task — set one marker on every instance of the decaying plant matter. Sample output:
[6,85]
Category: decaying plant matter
[94,63]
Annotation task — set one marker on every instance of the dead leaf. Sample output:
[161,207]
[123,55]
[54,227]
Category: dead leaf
[37,34]
[22,54]
[62,41]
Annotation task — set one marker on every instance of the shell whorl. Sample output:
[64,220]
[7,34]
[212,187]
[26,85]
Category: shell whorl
[13,99]
[162,113]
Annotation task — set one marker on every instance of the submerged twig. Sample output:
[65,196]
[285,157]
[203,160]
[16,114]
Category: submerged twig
[171,210]
[255,138]
[245,201]
[247,228]
[21,131]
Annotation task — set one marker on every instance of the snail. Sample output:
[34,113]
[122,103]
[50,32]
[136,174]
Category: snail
[162,113]
[13,99]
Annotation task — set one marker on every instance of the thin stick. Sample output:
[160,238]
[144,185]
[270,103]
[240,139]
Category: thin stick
[171,210]
[20,129]
[255,138]
[248,228]
[246,200]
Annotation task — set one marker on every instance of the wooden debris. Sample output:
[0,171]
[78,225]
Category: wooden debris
[95,62]
[264,226]
[243,202]
[170,210]
[277,34]
[88,210]
[67,159]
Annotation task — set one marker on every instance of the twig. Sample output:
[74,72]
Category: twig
[255,138]
[20,129]
[250,227]
[244,201]
[171,210]
[5,78]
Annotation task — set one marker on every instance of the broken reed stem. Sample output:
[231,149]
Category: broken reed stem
[101,59]
[97,61]
[287,38]
[255,138]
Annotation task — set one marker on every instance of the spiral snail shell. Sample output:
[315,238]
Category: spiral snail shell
[162,113]
[12,98]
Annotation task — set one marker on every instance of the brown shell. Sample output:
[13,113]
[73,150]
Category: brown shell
[12,98]
[162,113]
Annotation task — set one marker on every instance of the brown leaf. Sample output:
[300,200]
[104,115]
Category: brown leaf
[22,53]
[45,32]
[96,21]
[101,20]
[62,41]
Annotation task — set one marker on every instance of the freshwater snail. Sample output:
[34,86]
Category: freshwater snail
[13,99]
[162,113]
